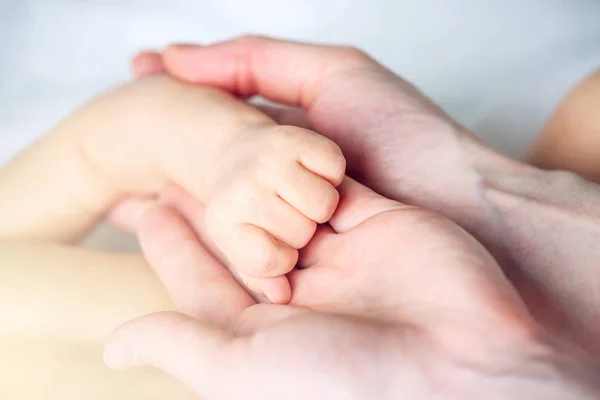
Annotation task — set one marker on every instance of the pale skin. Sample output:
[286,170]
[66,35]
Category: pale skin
[507,331]
[59,306]
[265,186]
[259,65]
[542,226]
[362,313]
[422,312]
[141,140]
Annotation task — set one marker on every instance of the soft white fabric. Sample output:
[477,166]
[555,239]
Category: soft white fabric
[500,66]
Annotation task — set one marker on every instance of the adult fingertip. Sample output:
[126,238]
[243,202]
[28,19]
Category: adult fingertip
[275,290]
[278,290]
[178,53]
[147,63]
[176,58]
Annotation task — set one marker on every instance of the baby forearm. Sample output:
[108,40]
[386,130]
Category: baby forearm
[134,140]
[53,291]
[49,192]
[59,304]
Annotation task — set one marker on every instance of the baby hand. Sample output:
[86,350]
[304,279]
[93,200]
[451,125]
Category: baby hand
[273,185]
[265,186]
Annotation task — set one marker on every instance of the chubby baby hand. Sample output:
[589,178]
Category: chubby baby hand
[265,186]
[273,184]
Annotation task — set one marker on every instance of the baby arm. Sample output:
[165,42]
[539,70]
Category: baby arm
[133,140]
[571,139]
[265,186]
[59,304]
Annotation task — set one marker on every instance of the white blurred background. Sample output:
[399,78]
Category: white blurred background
[499,66]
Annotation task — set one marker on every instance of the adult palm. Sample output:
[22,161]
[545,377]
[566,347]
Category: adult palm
[541,226]
[389,299]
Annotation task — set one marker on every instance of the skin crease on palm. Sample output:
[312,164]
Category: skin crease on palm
[541,226]
[423,312]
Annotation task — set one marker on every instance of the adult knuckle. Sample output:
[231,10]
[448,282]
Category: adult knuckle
[354,55]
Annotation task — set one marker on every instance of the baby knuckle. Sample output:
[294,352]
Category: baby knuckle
[246,193]
[335,167]
[268,258]
[325,205]
[329,147]
[286,134]
[277,140]
[305,234]
[286,174]
[338,161]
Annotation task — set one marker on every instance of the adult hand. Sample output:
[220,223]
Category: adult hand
[543,227]
[393,302]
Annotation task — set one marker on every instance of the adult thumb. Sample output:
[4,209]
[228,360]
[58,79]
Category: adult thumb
[182,347]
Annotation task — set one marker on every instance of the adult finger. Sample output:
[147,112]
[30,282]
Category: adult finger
[262,316]
[288,72]
[192,211]
[347,95]
[147,63]
[198,283]
[357,204]
[314,250]
[276,289]
[150,63]
[128,213]
[179,345]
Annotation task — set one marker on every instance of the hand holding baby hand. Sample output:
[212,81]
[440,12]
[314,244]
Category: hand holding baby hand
[265,186]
